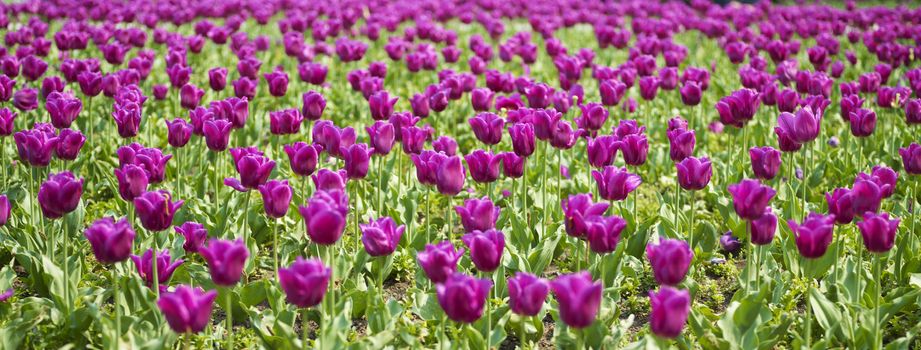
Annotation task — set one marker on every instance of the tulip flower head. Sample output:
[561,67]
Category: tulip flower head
[486,248]
[195,236]
[463,297]
[110,240]
[225,260]
[579,298]
[878,231]
[439,261]
[305,282]
[813,235]
[165,267]
[187,310]
[669,309]
[156,209]
[527,293]
[381,237]
[60,194]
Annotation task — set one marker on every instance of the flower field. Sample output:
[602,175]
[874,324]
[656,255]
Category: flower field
[575,174]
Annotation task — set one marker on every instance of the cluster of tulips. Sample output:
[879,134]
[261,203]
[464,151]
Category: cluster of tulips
[49,72]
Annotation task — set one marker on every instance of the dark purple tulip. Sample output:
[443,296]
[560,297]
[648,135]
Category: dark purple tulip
[669,309]
[527,293]
[814,235]
[36,146]
[603,233]
[512,164]
[634,147]
[128,120]
[253,167]
[486,248]
[69,144]
[381,105]
[841,205]
[763,228]
[478,214]
[165,267]
[577,211]
[328,180]
[439,261]
[225,260]
[110,240]
[413,139]
[420,105]
[863,122]
[681,144]
[325,215]
[463,297]
[25,99]
[90,83]
[522,135]
[788,100]
[305,282]
[611,91]
[884,177]
[160,91]
[729,243]
[690,93]
[245,88]
[155,209]
[132,181]
[867,196]
[911,158]
[381,136]
[579,298]
[7,121]
[616,183]
[670,260]
[7,87]
[785,141]
[277,82]
[765,162]
[484,166]
[60,194]
[381,237]
[878,232]
[178,75]
[739,107]
[601,151]
[151,159]
[912,110]
[179,132]
[750,198]
[357,160]
[450,176]
[438,101]
[487,127]
[190,95]
[195,235]
[481,99]
[33,68]
[5,210]
[312,73]
[62,109]
[276,197]
[285,121]
[303,157]
[649,87]
[539,95]
[187,310]
[446,145]
[694,173]
[217,134]
[217,78]
[593,116]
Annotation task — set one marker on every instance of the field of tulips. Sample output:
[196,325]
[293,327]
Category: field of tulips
[573,174]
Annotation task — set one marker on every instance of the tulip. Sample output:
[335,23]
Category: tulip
[328,180]
[690,93]
[669,309]
[156,209]
[814,235]
[634,147]
[750,198]
[681,144]
[601,151]
[427,164]
[729,243]
[381,237]
[110,240]
[253,167]
[179,132]
[867,196]
[579,298]
[357,160]
[63,109]
[285,121]
[486,248]
[7,119]
[765,162]
[314,104]
[225,260]
[739,107]
[381,136]
[450,176]
[578,210]
[603,233]
[463,297]
[439,261]
[5,210]
[512,164]
[234,109]
[178,75]
[165,268]
[35,146]
[381,105]
[911,158]
[878,232]
[484,166]
[562,135]
[803,127]
[694,173]
[276,198]
[649,87]
[25,99]
[593,116]
[413,139]
[152,160]
[478,214]
[522,135]
[187,310]
[245,88]
[305,283]
[90,83]
[481,99]
[277,82]
[785,141]
[487,127]
[60,194]
[217,134]
[913,111]
[190,95]
[763,228]
[611,91]
[325,216]
[527,293]
[132,181]
[849,104]
[884,177]
[841,205]
[217,78]
[303,157]
[195,235]
[446,145]
[863,122]
[616,183]
[69,144]
[670,260]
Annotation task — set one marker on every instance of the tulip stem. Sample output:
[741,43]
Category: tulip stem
[187,341]
[66,233]
[304,330]
[693,217]
[153,263]
[559,177]
[808,309]
[878,336]
[115,296]
[380,185]
[524,197]
[677,230]
[229,312]
[804,183]
[428,215]
[275,246]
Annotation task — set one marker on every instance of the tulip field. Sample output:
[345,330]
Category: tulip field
[355,174]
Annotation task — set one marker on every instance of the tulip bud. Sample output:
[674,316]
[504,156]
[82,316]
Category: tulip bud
[225,260]
[110,240]
[305,282]
[579,298]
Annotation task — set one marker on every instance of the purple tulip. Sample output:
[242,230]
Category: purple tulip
[841,205]
[325,216]
[225,260]
[25,99]
[512,164]
[729,243]
[669,309]
[165,267]
[670,260]
[381,136]
[578,210]
[187,310]
[305,282]
[381,237]
[884,177]
[357,160]
[446,145]
[463,297]
[152,160]
[328,180]
[277,82]
[195,235]
[750,198]
[487,127]
[611,91]
[765,162]
[634,147]
[867,196]
[527,293]
[603,233]
[681,144]
[5,210]
[649,87]
[253,167]
[478,214]
[486,248]
[913,110]
[285,121]
[579,298]
[179,132]
[878,232]
[690,93]
[132,181]
[763,228]
[911,158]
[7,119]
[739,107]
[303,157]
[179,75]
[522,135]
[814,235]
[484,166]
[381,105]
[217,78]
[481,99]
[127,120]
[276,197]
[190,95]
[60,194]
[863,122]
[90,83]
[593,116]
[694,173]
[450,176]
[803,127]
[312,73]
[110,240]
[439,261]
[155,209]
[616,183]
[63,109]
[601,151]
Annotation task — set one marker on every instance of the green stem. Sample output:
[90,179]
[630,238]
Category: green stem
[809,283]
[559,177]
[428,215]
[878,336]
[66,240]
[693,219]
[115,296]
[380,185]
[153,263]
[275,246]
[304,330]
[677,230]
[229,312]
[187,341]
